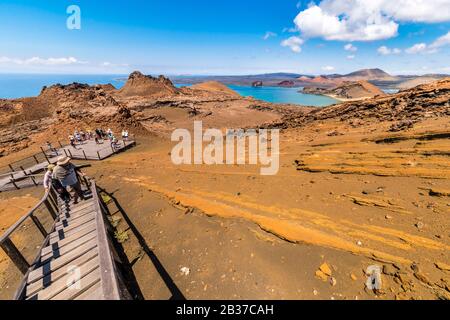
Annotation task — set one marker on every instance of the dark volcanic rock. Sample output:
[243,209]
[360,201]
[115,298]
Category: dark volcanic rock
[286,83]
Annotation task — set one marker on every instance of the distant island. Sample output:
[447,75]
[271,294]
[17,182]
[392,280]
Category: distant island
[375,76]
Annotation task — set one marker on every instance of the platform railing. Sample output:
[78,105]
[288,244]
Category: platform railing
[102,153]
[44,155]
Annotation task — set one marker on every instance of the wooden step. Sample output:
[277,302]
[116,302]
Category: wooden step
[66,225]
[64,261]
[61,251]
[67,241]
[65,233]
[81,286]
[75,208]
[67,221]
[95,293]
[48,280]
[70,214]
[70,282]
[73,235]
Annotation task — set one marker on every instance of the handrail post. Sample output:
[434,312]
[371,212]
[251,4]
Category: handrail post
[45,155]
[84,153]
[98,154]
[39,225]
[53,201]
[50,209]
[53,197]
[34,181]
[35,159]
[13,181]
[14,254]
[11,167]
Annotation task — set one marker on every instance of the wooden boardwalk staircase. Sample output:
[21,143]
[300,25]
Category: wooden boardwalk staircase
[78,258]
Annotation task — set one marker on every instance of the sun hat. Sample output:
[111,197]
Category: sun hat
[63,160]
[50,167]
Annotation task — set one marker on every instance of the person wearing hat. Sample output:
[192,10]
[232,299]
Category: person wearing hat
[49,182]
[66,173]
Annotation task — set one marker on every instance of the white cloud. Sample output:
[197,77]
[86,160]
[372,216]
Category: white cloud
[295,43]
[269,34]
[441,41]
[367,20]
[108,64]
[328,68]
[385,51]
[417,48]
[431,48]
[350,47]
[289,30]
[351,57]
[328,24]
[37,61]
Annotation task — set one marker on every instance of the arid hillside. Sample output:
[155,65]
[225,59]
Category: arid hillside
[146,86]
[401,110]
[57,112]
[214,86]
[349,90]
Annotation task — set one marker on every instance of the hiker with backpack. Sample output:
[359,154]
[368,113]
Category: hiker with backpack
[67,174]
[50,182]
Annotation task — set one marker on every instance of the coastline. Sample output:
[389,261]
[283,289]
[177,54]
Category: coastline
[342,100]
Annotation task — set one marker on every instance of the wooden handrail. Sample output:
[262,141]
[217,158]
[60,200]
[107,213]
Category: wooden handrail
[5,242]
[16,225]
[108,272]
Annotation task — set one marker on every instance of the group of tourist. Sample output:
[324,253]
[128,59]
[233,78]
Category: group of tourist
[64,178]
[79,137]
[99,135]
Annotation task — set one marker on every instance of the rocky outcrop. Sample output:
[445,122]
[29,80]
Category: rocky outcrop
[257,84]
[287,83]
[215,87]
[348,90]
[60,109]
[17,137]
[407,107]
[147,86]
[369,74]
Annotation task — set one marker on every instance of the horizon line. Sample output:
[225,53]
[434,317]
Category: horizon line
[211,75]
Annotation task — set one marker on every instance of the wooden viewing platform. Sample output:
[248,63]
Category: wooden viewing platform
[31,174]
[90,150]
[77,259]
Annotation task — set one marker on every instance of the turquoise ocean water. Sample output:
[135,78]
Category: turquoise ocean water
[29,85]
[281,95]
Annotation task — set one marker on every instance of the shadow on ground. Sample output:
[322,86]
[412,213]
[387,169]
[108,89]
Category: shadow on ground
[127,265]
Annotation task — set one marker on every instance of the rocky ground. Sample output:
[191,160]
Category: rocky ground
[360,185]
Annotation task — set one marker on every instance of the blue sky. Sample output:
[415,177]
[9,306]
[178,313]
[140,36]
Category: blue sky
[225,37]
